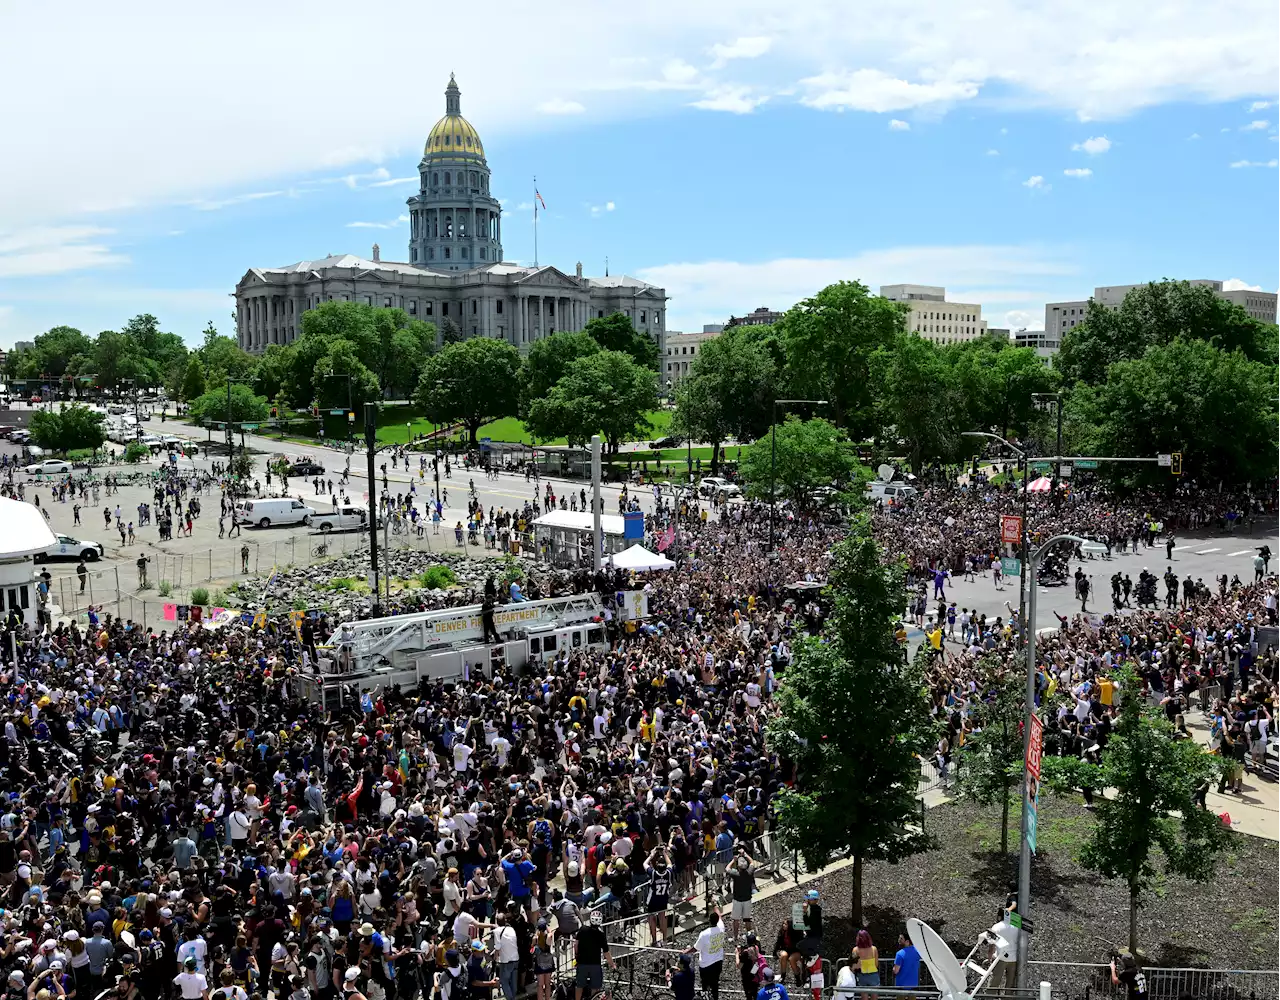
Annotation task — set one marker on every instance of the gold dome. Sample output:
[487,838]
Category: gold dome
[454,135]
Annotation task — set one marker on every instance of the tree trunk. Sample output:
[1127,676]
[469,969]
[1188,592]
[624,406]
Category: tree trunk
[472,432]
[1133,922]
[856,893]
[715,458]
[1004,822]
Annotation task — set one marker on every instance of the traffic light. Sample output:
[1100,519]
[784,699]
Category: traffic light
[275,413]
[1175,463]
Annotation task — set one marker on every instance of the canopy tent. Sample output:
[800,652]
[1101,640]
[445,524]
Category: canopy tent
[1042,485]
[639,558]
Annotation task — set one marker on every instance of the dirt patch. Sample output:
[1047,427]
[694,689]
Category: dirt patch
[1231,922]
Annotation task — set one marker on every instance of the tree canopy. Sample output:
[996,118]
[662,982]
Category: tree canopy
[68,428]
[857,769]
[547,362]
[603,393]
[245,406]
[810,455]
[616,332]
[474,381]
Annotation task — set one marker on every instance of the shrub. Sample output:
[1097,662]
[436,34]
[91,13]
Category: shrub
[165,588]
[438,578]
[220,599]
[200,595]
[135,452]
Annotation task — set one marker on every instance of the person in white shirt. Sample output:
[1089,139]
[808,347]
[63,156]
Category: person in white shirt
[191,984]
[461,754]
[710,945]
[507,955]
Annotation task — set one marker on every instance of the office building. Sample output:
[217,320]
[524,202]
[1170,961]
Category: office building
[681,349]
[933,317]
[1061,317]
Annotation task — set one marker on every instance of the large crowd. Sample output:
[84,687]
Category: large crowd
[180,822]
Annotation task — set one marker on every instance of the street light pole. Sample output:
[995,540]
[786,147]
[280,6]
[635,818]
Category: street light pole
[773,457]
[370,437]
[1024,857]
[1023,542]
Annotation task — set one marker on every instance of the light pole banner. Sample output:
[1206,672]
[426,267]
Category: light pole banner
[1010,529]
[1035,747]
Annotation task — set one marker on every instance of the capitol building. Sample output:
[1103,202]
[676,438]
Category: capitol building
[455,268]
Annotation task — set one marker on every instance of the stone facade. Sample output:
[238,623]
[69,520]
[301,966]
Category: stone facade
[455,270]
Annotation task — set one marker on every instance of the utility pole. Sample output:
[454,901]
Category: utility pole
[597,514]
[370,437]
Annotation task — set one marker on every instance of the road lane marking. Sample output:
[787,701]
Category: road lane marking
[1205,552]
[1242,552]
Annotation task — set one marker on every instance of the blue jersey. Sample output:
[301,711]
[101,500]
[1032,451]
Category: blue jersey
[774,991]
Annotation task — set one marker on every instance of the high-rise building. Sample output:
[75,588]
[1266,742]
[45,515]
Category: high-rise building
[455,269]
[933,317]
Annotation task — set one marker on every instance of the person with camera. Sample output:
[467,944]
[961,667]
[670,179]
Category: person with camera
[1126,972]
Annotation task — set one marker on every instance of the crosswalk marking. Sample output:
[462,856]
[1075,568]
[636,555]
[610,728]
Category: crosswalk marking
[1242,552]
[1205,552]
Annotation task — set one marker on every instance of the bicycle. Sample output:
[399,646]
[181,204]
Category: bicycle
[320,550]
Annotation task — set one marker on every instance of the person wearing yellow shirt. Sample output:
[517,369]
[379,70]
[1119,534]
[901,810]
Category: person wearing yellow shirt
[935,641]
[1107,691]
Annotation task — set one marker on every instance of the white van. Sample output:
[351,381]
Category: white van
[889,493]
[275,510]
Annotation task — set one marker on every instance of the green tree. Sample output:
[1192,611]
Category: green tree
[162,356]
[221,357]
[331,383]
[273,370]
[1217,408]
[857,770]
[475,381]
[68,428]
[450,332]
[829,341]
[615,332]
[1158,314]
[118,358]
[193,380]
[916,399]
[729,392]
[547,362]
[353,321]
[1150,812]
[809,454]
[409,348]
[989,764]
[605,393]
[56,347]
[246,407]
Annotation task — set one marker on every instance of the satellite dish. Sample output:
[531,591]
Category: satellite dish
[945,967]
[885,472]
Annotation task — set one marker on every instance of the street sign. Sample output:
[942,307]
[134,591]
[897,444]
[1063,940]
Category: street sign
[1010,528]
[1035,748]
[1086,463]
[1010,567]
[248,427]
[1038,465]
[1066,471]
[336,413]
[1017,920]
[1164,461]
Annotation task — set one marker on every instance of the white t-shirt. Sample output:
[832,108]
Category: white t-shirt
[191,984]
[461,754]
[238,823]
[506,944]
[711,946]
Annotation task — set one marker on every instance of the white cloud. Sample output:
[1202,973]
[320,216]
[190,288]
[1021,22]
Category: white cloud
[215,204]
[1254,163]
[734,99]
[1034,181]
[1078,172]
[679,71]
[400,220]
[1193,135]
[993,152]
[1236,285]
[559,106]
[175,232]
[1094,145]
[1020,319]
[1255,126]
[875,90]
[743,48]
[711,291]
[598,210]
[43,250]
[898,125]
[1259,105]
[1095,56]
[394,182]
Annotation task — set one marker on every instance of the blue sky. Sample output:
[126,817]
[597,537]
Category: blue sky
[740,155]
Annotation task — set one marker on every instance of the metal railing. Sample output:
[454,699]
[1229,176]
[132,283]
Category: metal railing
[1086,981]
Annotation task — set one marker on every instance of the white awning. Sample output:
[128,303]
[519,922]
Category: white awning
[23,529]
[639,558]
[578,520]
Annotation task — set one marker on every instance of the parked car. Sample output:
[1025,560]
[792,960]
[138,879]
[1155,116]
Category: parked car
[717,486]
[889,494]
[66,547]
[49,467]
[306,467]
[273,511]
[345,518]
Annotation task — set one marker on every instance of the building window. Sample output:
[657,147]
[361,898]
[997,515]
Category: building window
[386,303]
[446,177]
[473,331]
[368,300]
[484,254]
[431,253]
[447,253]
[466,252]
[413,253]
[427,307]
[435,178]
[499,307]
[474,307]
[448,227]
[642,317]
[413,307]
[444,308]
[599,314]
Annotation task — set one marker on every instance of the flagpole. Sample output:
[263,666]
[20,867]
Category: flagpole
[535,221]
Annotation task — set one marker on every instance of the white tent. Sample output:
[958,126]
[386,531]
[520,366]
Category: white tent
[640,559]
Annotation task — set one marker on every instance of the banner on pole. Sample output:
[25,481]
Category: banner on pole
[1010,529]
[1035,748]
